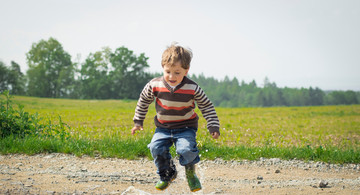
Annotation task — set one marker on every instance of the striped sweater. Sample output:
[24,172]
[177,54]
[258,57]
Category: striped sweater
[175,107]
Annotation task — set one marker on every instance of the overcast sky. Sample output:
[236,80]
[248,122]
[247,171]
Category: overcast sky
[294,43]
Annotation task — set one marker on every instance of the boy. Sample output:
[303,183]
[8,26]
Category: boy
[175,96]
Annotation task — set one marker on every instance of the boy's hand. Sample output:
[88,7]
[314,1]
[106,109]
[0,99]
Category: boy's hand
[136,128]
[215,135]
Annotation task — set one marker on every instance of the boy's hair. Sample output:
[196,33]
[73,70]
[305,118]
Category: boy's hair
[175,53]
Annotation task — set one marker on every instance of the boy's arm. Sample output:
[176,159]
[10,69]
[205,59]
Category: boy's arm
[208,111]
[146,98]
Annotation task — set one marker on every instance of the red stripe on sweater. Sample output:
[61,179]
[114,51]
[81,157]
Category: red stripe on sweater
[182,91]
[160,89]
[185,91]
[173,121]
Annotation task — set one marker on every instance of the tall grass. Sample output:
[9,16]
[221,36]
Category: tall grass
[102,128]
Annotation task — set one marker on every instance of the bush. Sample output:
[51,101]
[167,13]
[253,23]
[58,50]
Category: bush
[19,123]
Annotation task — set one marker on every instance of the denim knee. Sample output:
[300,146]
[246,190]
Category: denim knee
[187,150]
[157,150]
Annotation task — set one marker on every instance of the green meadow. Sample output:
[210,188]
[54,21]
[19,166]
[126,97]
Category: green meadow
[102,128]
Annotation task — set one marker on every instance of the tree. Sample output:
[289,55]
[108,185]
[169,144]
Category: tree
[128,75]
[94,80]
[316,96]
[12,79]
[4,74]
[116,75]
[51,72]
[17,79]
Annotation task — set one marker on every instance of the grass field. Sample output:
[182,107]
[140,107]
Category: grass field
[257,132]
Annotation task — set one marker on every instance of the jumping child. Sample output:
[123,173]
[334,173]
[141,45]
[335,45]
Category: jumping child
[176,121]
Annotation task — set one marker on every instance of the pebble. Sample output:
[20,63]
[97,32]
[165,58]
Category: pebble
[259,177]
[49,156]
[323,184]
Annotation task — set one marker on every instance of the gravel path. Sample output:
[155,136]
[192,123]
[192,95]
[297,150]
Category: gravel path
[68,174]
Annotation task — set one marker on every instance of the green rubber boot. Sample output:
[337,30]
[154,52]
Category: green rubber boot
[193,180]
[162,185]
[166,177]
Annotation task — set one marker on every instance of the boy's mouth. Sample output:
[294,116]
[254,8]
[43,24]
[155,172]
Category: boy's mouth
[172,81]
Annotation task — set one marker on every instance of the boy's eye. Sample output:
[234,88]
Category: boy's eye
[177,72]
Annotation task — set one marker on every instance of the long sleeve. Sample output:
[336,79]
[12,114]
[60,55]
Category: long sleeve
[146,98]
[208,110]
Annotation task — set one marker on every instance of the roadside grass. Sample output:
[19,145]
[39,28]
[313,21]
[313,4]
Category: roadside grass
[102,128]
[136,148]
[127,149]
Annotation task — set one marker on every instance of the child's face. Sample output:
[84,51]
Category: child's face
[173,75]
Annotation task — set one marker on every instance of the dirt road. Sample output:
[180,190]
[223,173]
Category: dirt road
[67,174]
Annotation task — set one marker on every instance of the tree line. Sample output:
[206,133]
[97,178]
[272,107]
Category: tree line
[232,93]
[120,74]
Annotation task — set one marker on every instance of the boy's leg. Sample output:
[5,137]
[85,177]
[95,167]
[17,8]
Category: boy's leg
[186,147]
[159,148]
[193,180]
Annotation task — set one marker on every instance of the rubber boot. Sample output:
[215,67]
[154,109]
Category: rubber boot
[193,180]
[166,177]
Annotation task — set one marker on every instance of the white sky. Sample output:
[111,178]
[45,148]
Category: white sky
[294,43]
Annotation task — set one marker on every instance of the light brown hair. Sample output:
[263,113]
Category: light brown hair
[175,53]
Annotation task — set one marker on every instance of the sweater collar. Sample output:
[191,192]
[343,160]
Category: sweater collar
[177,87]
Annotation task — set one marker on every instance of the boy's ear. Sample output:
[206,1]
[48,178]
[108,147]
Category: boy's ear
[186,72]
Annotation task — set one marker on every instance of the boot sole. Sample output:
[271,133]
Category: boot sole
[195,190]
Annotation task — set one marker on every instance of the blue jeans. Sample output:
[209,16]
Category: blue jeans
[185,144]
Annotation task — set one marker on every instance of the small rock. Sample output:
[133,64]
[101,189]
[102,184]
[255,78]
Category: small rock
[277,171]
[19,165]
[82,181]
[49,156]
[323,184]
[259,177]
